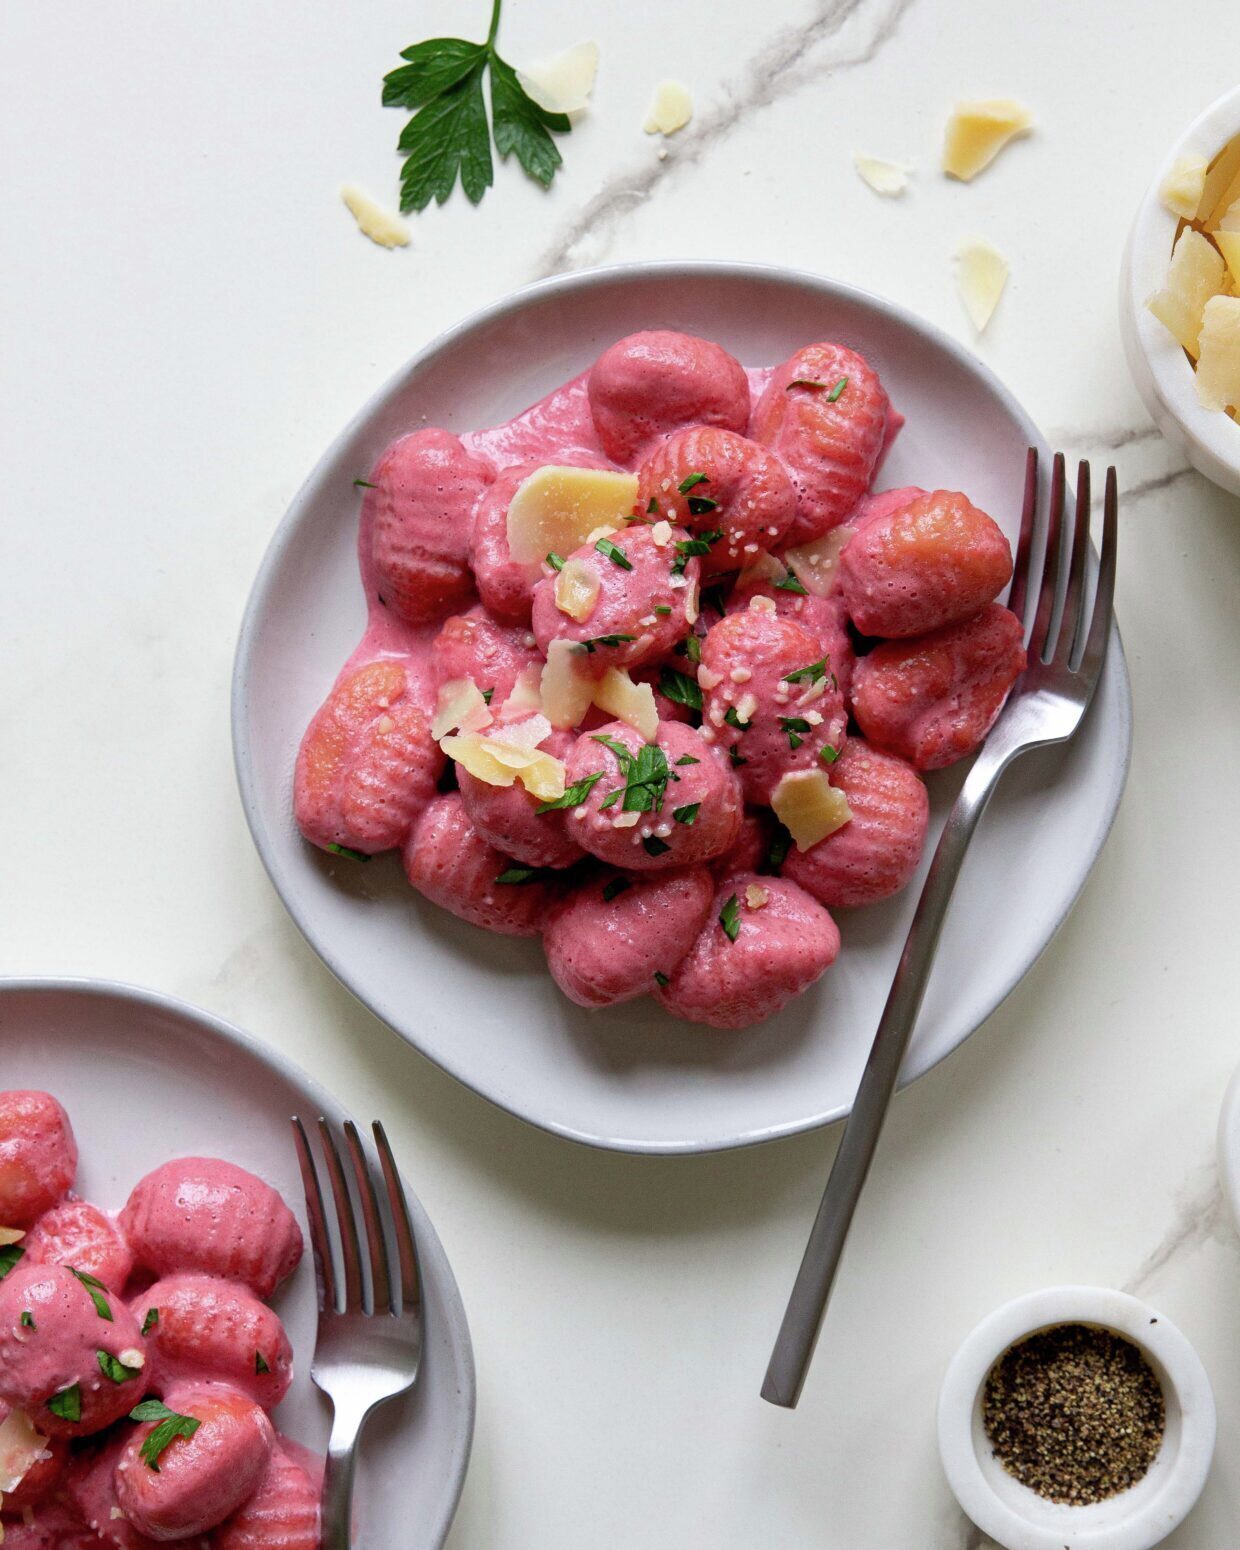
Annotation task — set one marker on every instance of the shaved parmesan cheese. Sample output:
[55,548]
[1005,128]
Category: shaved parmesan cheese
[809,807]
[460,708]
[567,689]
[884,177]
[1218,366]
[661,534]
[755,896]
[1195,275]
[1221,179]
[1228,243]
[630,702]
[671,108]
[815,564]
[10,1235]
[981,274]
[21,1448]
[1182,188]
[978,131]
[557,508]
[525,696]
[502,760]
[576,590]
[383,227]
[563,83]
[760,604]
[761,568]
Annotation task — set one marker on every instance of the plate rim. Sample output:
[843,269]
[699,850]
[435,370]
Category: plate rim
[123,991]
[917,1063]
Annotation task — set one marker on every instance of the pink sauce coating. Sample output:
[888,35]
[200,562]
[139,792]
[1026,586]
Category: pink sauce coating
[751,683]
[81,1346]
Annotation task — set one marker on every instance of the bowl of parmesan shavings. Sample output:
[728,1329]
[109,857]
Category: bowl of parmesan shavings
[1180,295]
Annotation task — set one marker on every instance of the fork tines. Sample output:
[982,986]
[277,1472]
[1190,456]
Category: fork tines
[1067,631]
[385,1278]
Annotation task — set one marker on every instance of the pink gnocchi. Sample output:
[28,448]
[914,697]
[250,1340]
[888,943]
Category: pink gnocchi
[137,1415]
[38,1156]
[714,616]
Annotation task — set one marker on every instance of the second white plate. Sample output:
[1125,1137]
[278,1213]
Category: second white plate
[484,1007]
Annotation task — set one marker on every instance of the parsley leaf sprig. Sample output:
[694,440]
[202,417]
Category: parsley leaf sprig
[172,1424]
[449,136]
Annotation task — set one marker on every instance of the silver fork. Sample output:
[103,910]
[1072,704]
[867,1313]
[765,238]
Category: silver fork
[1067,646]
[369,1345]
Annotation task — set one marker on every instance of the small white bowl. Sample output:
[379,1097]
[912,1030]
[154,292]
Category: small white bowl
[1209,439]
[1017,1517]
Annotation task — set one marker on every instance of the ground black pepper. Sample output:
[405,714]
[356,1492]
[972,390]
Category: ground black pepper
[1074,1412]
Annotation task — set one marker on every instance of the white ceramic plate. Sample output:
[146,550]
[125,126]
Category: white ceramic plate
[146,1078]
[483,1007]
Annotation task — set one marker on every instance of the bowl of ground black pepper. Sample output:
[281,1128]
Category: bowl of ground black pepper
[1076,1418]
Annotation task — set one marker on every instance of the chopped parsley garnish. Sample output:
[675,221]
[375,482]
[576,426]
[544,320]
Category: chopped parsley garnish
[614,553]
[680,688]
[687,758]
[653,508]
[365,484]
[645,776]
[28,1319]
[654,846]
[662,608]
[96,1289]
[260,1363]
[660,978]
[615,888]
[837,390]
[449,134]
[735,757]
[818,385]
[9,1256]
[68,1403]
[343,850]
[730,918]
[700,505]
[811,674]
[781,843]
[520,874]
[687,548]
[828,754]
[794,726]
[150,1321]
[604,640]
[712,597]
[556,561]
[690,481]
[112,1367]
[171,1425]
[486,695]
[574,795]
[687,814]
[732,717]
[789,583]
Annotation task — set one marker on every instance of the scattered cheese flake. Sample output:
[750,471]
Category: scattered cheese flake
[707,678]
[755,896]
[1228,243]
[525,735]
[809,807]
[576,590]
[884,177]
[132,1357]
[567,690]
[691,605]
[747,706]
[815,564]
[762,568]
[1218,366]
[981,274]
[382,226]
[759,604]
[1195,275]
[1182,188]
[21,1447]
[661,534]
[563,83]
[501,761]
[10,1235]
[1221,179]
[557,508]
[526,694]
[630,702]
[978,131]
[460,708]
[671,108]
[625,820]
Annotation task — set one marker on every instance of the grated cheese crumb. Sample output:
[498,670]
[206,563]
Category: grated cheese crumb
[670,110]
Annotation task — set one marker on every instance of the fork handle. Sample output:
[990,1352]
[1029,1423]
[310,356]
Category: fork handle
[336,1503]
[798,1333]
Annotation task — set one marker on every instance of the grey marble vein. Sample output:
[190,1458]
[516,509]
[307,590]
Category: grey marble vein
[1197,1216]
[1103,438]
[1134,492]
[781,67]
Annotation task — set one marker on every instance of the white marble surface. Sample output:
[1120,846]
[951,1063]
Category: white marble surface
[189,315]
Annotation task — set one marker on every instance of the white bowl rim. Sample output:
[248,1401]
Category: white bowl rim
[1170,382]
[1229,1145]
[921,1061]
[325,1104]
[1147,1328]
